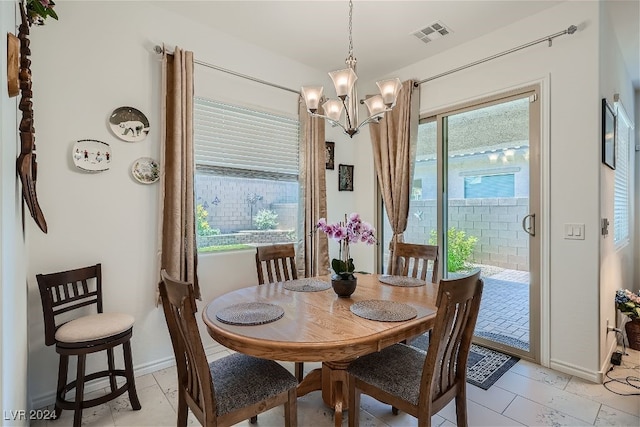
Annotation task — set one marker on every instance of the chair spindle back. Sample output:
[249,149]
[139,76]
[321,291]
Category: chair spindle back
[445,366]
[178,303]
[412,260]
[68,290]
[277,261]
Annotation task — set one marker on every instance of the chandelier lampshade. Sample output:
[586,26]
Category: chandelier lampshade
[333,109]
[312,96]
[344,82]
[389,89]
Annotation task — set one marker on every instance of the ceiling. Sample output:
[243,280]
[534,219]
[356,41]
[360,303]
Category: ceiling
[315,32]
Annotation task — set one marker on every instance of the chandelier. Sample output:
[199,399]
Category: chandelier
[344,82]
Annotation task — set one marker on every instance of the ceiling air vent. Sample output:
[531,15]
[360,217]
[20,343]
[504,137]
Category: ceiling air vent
[432,32]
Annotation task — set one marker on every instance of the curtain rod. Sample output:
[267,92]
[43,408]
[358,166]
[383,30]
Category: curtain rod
[159,50]
[572,29]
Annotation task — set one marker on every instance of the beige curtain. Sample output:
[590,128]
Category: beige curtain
[178,252]
[394,143]
[313,245]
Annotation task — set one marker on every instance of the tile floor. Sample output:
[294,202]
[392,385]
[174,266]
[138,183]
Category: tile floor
[527,394]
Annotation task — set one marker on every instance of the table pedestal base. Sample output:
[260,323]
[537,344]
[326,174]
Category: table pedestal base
[333,380]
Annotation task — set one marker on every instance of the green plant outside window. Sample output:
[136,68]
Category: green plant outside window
[459,248]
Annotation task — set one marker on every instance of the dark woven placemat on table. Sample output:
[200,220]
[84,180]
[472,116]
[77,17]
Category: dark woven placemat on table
[401,281]
[307,284]
[250,313]
[383,311]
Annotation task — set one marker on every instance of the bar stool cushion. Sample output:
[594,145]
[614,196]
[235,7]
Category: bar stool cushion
[94,327]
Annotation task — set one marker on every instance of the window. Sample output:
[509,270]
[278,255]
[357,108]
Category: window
[479,187]
[246,176]
[621,185]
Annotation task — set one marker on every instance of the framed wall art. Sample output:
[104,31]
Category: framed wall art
[345,177]
[330,154]
[608,135]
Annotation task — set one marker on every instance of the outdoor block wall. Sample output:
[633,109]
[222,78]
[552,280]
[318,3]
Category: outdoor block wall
[233,202]
[256,237]
[497,223]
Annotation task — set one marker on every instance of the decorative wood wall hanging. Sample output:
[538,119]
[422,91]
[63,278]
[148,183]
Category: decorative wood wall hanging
[26,164]
[13,65]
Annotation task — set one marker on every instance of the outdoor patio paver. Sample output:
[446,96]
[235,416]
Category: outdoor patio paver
[504,310]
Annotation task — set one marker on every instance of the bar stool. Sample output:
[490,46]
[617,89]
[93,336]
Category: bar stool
[70,290]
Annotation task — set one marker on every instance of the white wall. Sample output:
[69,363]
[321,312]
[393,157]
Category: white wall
[616,263]
[575,303]
[635,284]
[13,292]
[96,58]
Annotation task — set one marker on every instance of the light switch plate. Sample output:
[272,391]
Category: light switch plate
[574,231]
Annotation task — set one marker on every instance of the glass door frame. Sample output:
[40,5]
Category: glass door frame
[535,202]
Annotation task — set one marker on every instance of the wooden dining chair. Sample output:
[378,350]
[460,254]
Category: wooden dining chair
[276,263]
[420,383]
[412,260]
[225,391]
[66,295]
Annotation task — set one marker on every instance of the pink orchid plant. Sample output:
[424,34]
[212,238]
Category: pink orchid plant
[352,230]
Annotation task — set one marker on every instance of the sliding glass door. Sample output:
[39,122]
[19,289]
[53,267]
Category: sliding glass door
[476,195]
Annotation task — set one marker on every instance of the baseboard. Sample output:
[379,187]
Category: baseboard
[570,369]
[49,398]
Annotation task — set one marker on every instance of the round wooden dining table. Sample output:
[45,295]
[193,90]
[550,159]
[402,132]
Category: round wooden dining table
[319,326]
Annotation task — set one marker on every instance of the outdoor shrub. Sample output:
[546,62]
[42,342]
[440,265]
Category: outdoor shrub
[459,248]
[266,219]
[202,225]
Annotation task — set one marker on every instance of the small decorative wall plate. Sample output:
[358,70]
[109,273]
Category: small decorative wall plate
[145,170]
[129,124]
[90,155]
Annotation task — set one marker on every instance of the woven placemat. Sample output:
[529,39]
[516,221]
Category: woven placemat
[383,311]
[401,281]
[308,284]
[250,313]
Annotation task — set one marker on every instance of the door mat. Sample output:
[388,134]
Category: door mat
[484,366]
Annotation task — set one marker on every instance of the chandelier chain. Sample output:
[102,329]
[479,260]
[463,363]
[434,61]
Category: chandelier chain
[350,29]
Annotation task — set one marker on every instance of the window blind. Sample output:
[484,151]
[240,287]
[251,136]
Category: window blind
[233,140]
[621,184]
